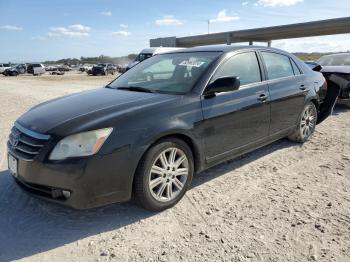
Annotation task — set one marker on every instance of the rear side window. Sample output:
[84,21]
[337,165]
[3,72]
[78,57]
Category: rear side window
[277,65]
[245,66]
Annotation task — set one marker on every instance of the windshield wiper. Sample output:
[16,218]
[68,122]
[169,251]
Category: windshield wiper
[136,88]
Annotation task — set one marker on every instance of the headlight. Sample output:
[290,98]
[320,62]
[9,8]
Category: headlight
[82,144]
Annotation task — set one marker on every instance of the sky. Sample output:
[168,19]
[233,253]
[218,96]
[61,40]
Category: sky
[49,30]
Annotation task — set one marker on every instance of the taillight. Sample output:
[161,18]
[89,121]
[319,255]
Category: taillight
[325,84]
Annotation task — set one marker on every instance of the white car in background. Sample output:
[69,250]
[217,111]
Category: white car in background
[3,67]
[36,69]
[149,52]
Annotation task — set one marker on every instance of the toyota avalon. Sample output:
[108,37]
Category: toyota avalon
[150,130]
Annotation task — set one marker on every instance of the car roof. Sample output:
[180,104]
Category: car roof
[223,48]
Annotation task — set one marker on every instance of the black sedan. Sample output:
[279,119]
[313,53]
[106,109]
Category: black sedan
[149,131]
[336,69]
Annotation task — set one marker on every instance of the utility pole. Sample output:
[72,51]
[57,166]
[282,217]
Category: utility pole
[208,26]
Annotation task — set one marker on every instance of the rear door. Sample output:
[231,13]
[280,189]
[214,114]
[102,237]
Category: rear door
[233,120]
[288,90]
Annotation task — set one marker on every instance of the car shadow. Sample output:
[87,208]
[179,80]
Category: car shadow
[29,225]
[339,109]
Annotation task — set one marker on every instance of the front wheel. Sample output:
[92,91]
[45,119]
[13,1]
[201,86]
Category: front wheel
[164,174]
[307,124]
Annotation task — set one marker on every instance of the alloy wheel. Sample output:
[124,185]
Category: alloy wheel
[308,122]
[168,174]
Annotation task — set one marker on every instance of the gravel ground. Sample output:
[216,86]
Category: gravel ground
[284,202]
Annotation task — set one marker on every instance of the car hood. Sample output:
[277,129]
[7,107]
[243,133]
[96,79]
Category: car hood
[336,69]
[76,111]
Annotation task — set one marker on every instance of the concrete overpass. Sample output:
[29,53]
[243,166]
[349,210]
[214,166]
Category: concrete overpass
[264,34]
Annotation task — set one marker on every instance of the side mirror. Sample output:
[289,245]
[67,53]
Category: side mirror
[223,84]
[317,68]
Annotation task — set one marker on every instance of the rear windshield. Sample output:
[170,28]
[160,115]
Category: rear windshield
[335,60]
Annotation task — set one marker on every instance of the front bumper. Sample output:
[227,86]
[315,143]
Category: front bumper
[91,181]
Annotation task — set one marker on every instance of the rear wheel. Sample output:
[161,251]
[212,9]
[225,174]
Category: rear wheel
[306,125]
[164,174]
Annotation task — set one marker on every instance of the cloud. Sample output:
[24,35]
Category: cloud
[123,26]
[223,17]
[106,13]
[245,3]
[41,38]
[278,2]
[11,27]
[314,44]
[168,20]
[79,27]
[76,30]
[122,33]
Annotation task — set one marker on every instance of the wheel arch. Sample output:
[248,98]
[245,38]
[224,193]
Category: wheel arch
[188,139]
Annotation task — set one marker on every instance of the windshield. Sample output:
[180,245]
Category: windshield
[168,73]
[142,56]
[335,60]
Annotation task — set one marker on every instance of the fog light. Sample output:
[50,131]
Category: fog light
[66,194]
[56,193]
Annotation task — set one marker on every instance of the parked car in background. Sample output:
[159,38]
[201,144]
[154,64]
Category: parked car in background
[85,68]
[12,71]
[3,67]
[122,68]
[173,115]
[15,70]
[149,52]
[22,68]
[336,69]
[102,69]
[36,69]
[57,72]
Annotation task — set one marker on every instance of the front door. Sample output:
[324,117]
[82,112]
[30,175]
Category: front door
[233,120]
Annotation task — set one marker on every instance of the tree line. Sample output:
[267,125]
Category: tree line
[93,60]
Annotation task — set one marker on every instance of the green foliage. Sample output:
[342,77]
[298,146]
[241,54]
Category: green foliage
[310,56]
[94,60]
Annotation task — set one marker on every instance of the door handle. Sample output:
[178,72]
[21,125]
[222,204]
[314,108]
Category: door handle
[302,87]
[262,97]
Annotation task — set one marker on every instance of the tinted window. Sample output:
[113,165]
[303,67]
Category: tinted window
[277,65]
[244,65]
[295,68]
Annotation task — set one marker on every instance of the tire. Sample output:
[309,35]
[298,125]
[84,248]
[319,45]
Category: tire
[306,124]
[169,183]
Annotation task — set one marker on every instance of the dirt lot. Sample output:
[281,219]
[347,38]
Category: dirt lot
[284,202]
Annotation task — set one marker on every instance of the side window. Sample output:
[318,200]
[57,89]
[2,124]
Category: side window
[277,65]
[296,69]
[245,66]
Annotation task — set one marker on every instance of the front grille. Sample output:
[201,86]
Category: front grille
[24,143]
